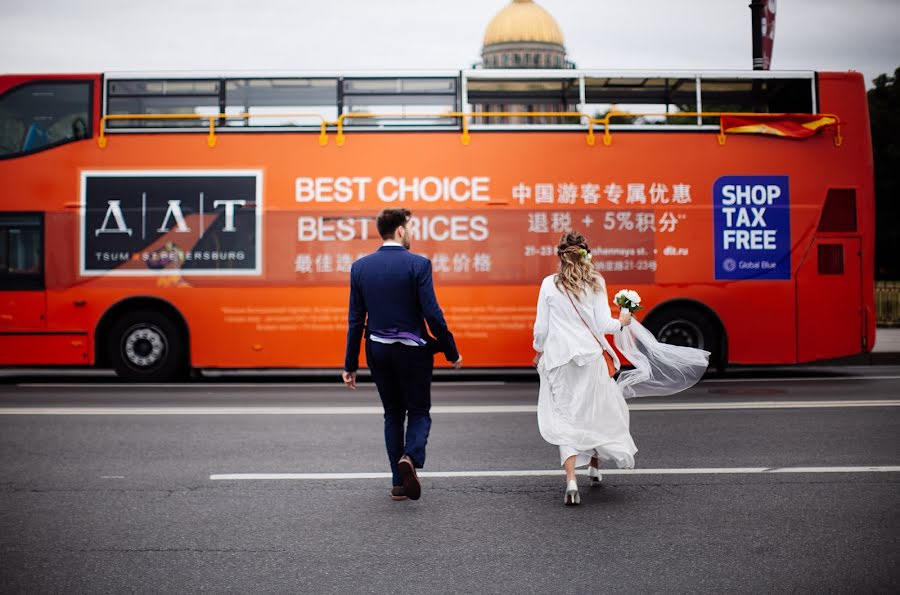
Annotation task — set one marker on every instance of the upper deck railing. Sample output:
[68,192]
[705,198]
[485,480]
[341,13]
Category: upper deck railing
[253,101]
[818,120]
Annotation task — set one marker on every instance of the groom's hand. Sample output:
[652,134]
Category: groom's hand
[457,364]
[349,379]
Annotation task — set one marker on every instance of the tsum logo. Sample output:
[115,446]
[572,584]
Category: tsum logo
[149,223]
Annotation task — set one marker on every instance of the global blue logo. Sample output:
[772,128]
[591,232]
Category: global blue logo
[752,227]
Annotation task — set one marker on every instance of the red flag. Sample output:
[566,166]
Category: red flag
[787,125]
[768,32]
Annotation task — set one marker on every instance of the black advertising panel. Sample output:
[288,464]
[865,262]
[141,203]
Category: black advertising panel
[143,223]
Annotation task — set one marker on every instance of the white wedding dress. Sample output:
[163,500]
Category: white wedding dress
[580,408]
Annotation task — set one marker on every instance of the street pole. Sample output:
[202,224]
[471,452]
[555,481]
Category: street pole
[756,17]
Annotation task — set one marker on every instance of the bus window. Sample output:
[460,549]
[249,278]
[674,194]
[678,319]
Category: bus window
[641,95]
[412,101]
[37,116]
[492,93]
[21,252]
[272,102]
[158,97]
[759,95]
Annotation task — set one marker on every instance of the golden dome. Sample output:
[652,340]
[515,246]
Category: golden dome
[523,20]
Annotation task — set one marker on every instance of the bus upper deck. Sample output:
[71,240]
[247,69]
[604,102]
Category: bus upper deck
[42,112]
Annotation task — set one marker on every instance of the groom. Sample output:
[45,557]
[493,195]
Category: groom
[391,299]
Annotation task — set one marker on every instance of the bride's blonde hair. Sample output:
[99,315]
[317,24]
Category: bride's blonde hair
[576,271]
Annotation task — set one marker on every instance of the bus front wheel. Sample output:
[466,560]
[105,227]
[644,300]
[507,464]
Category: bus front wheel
[146,346]
[689,327]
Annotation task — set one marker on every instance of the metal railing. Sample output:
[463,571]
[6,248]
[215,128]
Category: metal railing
[213,118]
[607,138]
[464,117]
[887,303]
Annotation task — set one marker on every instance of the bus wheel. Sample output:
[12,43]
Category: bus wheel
[688,327]
[146,346]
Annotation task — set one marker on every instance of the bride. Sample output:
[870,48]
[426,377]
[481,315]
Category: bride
[581,409]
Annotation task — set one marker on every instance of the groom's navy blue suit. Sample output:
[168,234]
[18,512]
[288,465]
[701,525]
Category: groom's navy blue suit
[393,288]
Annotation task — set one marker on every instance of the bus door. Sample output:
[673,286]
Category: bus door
[22,297]
[22,301]
[830,320]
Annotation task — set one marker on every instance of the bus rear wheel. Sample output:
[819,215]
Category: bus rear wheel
[689,327]
[146,346]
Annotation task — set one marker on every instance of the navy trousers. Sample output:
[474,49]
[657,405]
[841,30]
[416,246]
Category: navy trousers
[402,375]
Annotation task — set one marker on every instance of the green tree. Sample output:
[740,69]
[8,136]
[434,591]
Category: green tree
[618,119]
[884,116]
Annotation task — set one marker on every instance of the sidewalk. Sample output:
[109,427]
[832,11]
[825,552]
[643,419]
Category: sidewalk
[887,340]
[885,353]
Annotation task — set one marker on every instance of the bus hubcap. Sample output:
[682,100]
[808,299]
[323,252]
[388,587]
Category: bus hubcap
[145,346]
[681,332]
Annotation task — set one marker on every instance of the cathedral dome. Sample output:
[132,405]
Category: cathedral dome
[523,21]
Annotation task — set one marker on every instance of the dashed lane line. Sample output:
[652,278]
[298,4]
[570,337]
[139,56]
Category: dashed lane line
[553,472]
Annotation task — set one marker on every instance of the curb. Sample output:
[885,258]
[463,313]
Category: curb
[875,358]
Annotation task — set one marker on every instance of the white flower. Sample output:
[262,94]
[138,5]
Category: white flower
[629,299]
[628,294]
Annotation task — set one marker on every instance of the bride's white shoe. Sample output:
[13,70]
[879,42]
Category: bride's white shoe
[594,474]
[572,498]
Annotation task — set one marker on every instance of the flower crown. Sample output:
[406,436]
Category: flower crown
[585,254]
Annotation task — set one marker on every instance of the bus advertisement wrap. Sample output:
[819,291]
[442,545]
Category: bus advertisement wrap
[752,227]
[145,223]
[192,226]
[500,227]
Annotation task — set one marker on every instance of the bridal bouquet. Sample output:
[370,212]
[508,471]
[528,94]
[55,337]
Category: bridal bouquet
[628,299]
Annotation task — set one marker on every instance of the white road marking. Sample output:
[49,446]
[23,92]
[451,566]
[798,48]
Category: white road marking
[764,405]
[554,472]
[458,409]
[795,379]
[337,384]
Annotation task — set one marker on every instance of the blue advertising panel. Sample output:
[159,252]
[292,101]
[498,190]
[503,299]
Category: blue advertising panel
[752,227]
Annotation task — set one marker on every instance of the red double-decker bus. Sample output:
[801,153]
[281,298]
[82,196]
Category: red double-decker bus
[155,223]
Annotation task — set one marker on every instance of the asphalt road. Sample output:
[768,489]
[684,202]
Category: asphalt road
[762,481]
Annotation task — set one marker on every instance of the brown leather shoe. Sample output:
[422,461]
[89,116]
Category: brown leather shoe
[398,494]
[594,470]
[411,486]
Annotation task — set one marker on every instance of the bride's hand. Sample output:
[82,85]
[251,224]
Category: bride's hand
[625,316]
[537,358]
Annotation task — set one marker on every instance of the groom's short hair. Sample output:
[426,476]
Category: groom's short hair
[389,220]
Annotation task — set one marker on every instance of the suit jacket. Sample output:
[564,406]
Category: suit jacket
[393,288]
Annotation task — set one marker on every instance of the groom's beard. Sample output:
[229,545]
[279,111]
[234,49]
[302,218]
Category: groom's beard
[405,241]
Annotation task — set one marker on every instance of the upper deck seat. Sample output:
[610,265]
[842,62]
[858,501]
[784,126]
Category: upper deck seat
[35,137]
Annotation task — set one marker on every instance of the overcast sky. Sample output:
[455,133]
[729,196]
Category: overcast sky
[302,35]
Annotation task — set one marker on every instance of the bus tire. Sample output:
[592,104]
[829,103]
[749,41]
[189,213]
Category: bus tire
[147,346]
[689,326]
